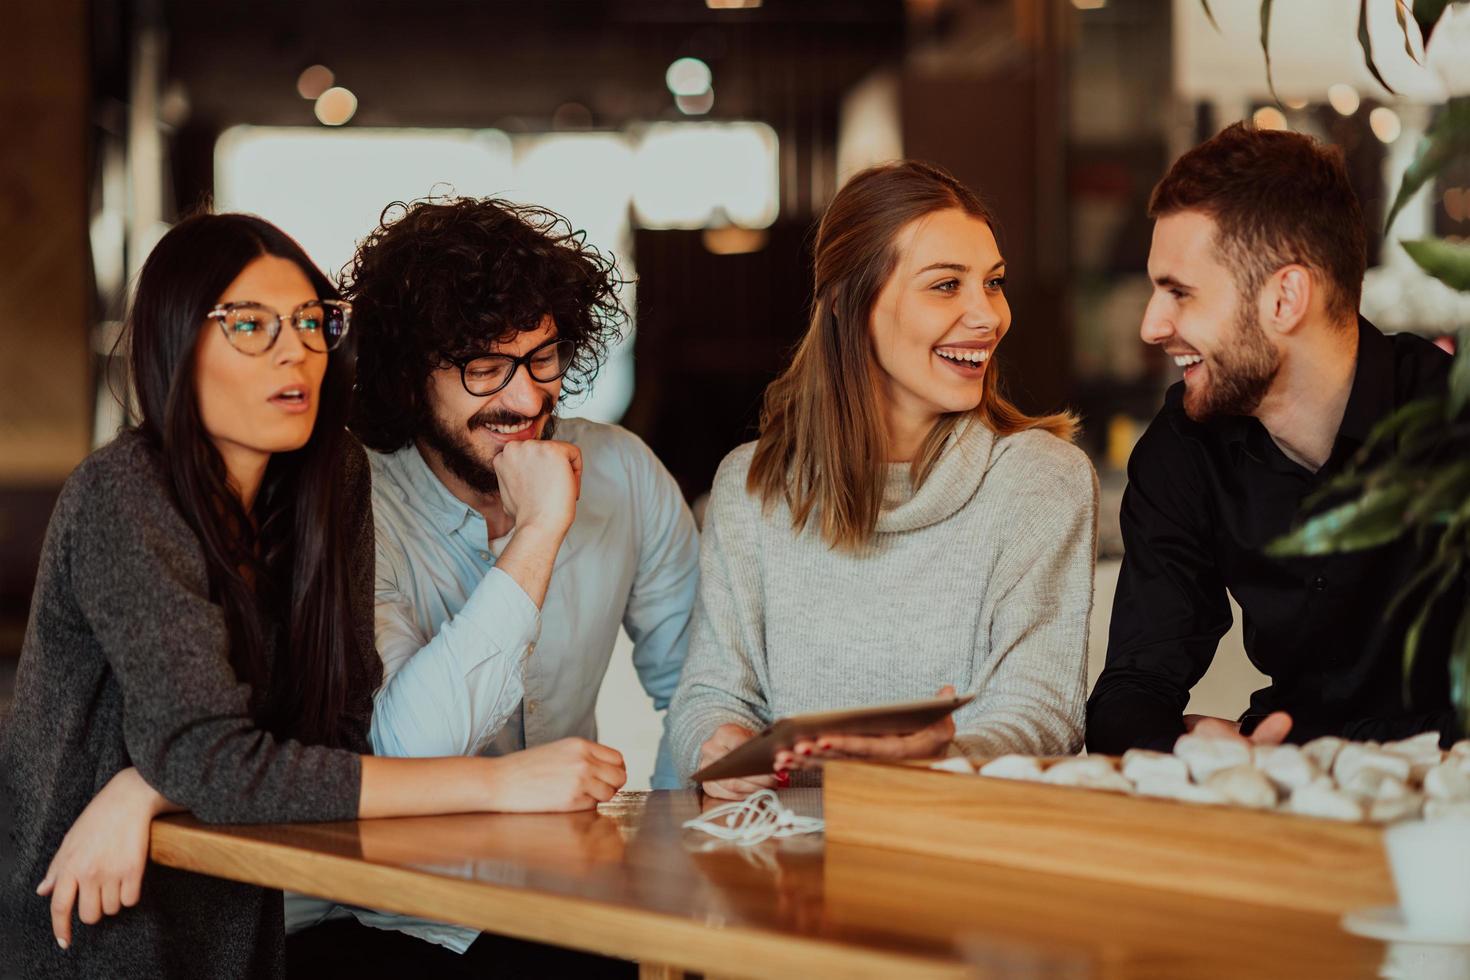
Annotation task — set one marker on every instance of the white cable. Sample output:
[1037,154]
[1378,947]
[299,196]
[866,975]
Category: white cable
[758,817]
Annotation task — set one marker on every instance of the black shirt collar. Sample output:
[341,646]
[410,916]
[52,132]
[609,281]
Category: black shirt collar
[1371,398]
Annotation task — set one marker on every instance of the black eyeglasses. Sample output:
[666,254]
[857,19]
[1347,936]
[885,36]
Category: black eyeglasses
[252,328]
[485,374]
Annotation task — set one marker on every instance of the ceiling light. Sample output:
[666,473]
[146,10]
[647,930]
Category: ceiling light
[1344,99]
[1385,124]
[688,76]
[336,106]
[696,105]
[314,80]
[1269,117]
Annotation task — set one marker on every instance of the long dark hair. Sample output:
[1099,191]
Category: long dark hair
[285,570]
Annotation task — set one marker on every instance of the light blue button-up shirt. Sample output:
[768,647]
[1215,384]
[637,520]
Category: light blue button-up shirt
[470,665]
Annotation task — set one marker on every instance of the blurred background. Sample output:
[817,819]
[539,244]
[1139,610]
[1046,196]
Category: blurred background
[698,141]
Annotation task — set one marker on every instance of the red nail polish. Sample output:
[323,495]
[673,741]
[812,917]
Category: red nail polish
[826,744]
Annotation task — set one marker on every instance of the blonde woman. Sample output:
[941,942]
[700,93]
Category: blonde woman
[899,526]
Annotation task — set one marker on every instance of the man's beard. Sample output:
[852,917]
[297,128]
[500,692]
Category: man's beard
[460,455]
[1239,376]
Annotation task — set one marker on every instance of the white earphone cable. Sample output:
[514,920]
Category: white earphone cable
[758,817]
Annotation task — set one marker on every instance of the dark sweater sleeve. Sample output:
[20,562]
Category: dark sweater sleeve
[139,579]
[1170,609]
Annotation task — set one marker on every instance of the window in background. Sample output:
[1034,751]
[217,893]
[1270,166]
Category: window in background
[702,175]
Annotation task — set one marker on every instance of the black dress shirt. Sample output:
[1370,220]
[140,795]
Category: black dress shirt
[1202,503]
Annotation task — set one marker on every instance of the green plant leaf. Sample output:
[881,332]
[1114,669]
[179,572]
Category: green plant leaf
[1447,138]
[1266,47]
[1445,261]
[1404,423]
[1210,14]
[1460,671]
[1365,41]
[1373,519]
[1460,375]
[1427,13]
[1454,532]
[1444,491]
[1416,628]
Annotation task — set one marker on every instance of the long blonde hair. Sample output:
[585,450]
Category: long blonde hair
[823,441]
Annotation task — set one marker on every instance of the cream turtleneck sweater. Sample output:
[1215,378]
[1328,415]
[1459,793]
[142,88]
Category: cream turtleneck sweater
[982,579]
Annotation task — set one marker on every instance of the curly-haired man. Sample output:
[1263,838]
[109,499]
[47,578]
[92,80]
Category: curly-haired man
[506,559]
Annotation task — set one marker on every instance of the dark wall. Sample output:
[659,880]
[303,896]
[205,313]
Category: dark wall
[713,331]
[1008,149]
[45,290]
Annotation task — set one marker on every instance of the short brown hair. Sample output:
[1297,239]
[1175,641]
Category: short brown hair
[822,446]
[1278,198]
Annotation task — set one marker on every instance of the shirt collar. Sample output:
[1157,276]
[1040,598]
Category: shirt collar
[448,512]
[1372,395]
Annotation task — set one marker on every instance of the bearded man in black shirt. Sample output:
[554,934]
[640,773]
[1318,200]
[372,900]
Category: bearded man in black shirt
[1257,264]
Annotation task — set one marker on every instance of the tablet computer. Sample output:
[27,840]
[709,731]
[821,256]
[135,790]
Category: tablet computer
[758,756]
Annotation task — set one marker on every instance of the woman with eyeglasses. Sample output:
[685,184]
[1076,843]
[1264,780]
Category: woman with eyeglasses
[201,631]
[899,526]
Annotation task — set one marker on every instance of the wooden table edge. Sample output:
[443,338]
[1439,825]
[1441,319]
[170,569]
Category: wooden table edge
[573,922]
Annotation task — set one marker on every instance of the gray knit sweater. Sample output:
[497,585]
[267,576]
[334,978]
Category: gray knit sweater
[982,579]
[125,663]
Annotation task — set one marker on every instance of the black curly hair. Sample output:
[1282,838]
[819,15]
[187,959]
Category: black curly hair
[444,278]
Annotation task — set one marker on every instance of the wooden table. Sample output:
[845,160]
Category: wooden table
[627,881]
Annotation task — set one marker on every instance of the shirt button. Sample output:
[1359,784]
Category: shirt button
[1319,584]
[531,707]
[485,555]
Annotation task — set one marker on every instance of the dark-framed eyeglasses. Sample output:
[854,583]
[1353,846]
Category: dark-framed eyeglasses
[252,328]
[485,374]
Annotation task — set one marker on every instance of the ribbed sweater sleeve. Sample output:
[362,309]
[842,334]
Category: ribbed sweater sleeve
[1032,688]
[722,678]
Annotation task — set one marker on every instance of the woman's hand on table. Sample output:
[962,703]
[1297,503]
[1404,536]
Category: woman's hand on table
[724,740]
[570,774]
[98,870]
[926,743]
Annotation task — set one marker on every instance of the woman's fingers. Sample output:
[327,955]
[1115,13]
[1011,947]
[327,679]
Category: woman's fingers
[599,790]
[89,902]
[111,896]
[63,897]
[614,776]
[738,789]
[131,890]
[722,790]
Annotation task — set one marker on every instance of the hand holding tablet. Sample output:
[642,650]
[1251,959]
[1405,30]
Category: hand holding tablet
[904,730]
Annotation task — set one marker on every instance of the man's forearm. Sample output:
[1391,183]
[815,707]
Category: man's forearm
[529,559]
